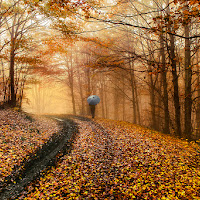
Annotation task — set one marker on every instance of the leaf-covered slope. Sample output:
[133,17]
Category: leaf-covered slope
[118,160]
[20,136]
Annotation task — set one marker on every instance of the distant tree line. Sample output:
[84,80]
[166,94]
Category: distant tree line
[149,65]
[142,60]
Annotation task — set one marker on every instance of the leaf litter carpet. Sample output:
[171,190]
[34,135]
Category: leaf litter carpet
[119,160]
[20,136]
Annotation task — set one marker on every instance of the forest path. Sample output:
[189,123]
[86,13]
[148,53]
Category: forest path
[119,160]
[99,148]
[47,156]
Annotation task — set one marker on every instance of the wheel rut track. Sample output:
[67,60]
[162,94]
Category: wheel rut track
[103,157]
[47,156]
[96,128]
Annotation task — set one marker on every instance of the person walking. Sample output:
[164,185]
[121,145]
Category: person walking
[92,109]
[93,100]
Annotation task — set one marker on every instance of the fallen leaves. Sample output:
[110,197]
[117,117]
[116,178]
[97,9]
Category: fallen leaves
[19,137]
[118,160]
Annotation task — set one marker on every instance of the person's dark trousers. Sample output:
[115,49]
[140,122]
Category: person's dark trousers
[92,108]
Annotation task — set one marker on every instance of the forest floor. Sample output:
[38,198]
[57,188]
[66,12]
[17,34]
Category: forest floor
[106,160]
[28,146]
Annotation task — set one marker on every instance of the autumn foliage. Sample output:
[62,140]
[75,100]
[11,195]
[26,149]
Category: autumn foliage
[119,160]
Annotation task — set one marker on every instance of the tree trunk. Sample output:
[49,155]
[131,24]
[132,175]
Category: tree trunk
[88,87]
[133,92]
[123,99]
[4,84]
[176,87]
[106,100]
[197,125]
[164,84]
[152,100]
[22,91]
[116,98]
[73,100]
[188,82]
[137,104]
[71,83]
[102,96]
[81,94]
[175,79]
[12,100]
[198,107]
